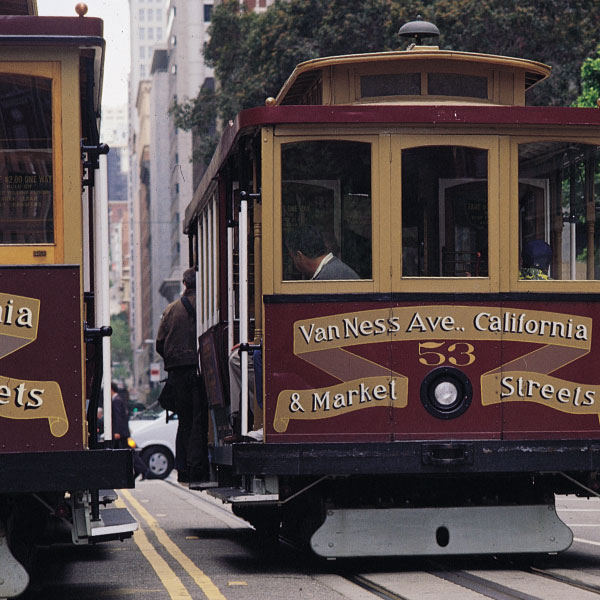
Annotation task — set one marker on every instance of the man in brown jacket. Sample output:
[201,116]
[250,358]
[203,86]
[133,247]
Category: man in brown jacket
[176,343]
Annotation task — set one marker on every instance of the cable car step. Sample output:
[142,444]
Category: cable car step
[114,524]
[237,495]
[203,485]
[107,496]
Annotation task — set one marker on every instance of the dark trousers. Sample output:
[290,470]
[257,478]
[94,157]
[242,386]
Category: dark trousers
[191,443]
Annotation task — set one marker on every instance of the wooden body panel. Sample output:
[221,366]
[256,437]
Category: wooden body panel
[354,369]
[41,364]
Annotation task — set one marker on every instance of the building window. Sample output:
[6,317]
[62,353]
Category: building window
[142,14]
[142,70]
[141,33]
[177,188]
[150,33]
[207,12]
[150,14]
[159,33]
[142,51]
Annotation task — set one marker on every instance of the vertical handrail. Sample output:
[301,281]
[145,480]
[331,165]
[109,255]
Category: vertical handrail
[101,285]
[243,307]
[230,295]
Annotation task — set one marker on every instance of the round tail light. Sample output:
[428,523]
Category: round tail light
[446,393]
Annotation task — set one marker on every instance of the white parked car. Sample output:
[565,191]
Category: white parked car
[155,439]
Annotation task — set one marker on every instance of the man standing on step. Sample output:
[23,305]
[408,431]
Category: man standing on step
[176,343]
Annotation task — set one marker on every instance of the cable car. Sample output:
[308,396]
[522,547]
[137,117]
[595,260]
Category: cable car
[435,394]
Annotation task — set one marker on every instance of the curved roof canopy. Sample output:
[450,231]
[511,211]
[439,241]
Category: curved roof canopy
[422,74]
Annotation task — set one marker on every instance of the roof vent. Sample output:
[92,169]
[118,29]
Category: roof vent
[419,30]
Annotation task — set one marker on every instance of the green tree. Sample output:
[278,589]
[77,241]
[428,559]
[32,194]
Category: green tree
[253,54]
[590,82]
[122,355]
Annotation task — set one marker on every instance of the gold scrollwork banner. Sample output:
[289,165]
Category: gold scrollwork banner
[337,399]
[524,386]
[23,399]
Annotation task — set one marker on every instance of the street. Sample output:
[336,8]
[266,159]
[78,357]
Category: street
[191,546]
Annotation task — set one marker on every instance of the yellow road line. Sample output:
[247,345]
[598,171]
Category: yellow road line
[171,582]
[211,591]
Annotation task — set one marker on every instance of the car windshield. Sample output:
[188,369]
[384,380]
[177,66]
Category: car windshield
[152,412]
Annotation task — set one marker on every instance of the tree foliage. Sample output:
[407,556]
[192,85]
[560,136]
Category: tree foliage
[253,54]
[590,82]
[122,356]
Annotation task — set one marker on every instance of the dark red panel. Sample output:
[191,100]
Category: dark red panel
[41,404]
[531,366]
[11,25]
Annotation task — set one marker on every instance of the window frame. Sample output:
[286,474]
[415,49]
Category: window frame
[53,252]
[280,286]
[207,296]
[542,285]
[491,283]
[423,69]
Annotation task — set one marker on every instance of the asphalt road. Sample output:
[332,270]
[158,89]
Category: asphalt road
[191,546]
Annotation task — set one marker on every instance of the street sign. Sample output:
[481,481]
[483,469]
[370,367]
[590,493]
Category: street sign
[154,372]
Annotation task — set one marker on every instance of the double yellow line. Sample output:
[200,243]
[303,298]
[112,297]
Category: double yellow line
[172,583]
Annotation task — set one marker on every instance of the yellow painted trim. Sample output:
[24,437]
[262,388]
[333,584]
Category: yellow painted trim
[24,254]
[71,160]
[387,211]
[57,163]
[268,177]
[505,231]
[451,284]
[322,287]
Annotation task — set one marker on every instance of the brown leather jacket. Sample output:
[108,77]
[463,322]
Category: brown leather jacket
[176,339]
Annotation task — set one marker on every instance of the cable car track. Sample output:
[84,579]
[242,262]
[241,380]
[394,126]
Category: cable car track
[475,583]
[588,587]
[439,569]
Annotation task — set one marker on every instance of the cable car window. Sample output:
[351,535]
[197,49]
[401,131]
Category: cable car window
[559,203]
[444,212]
[456,84]
[26,195]
[392,84]
[326,210]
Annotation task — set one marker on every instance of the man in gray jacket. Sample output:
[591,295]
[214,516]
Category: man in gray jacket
[176,343]
[309,254]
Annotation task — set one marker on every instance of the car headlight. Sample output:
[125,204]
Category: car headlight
[446,393]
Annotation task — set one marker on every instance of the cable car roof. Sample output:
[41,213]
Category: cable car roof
[332,73]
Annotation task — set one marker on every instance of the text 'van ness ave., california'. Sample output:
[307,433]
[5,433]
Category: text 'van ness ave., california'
[446,322]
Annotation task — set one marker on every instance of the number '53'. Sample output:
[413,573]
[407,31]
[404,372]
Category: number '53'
[433,354]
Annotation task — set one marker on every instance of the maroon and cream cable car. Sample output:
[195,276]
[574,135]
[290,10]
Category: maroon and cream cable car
[53,246]
[408,254]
